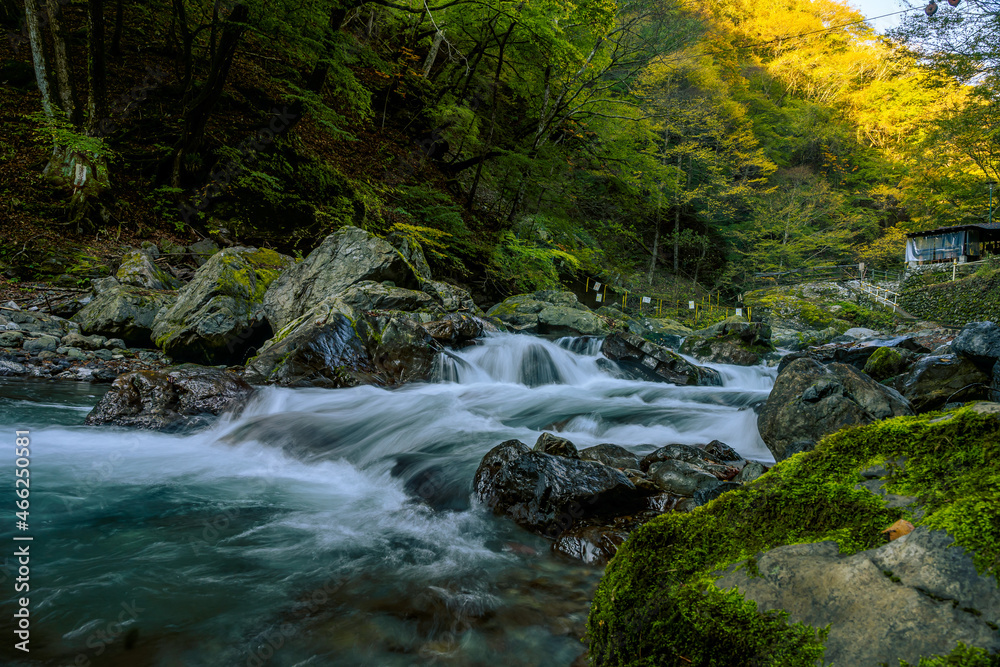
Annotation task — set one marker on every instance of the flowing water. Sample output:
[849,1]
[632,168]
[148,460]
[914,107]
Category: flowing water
[331,527]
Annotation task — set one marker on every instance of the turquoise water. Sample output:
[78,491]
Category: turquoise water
[327,527]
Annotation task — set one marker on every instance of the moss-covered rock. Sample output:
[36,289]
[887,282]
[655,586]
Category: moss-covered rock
[219,314]
[550,313]
[139,269]
[658,600]
[124,312]
[886,362]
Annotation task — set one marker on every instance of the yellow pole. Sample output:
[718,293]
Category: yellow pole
[587,288]
[624,296]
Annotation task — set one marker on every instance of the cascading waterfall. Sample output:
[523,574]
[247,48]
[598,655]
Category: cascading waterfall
[335,527]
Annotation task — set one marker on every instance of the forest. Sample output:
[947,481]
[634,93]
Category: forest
[524,144]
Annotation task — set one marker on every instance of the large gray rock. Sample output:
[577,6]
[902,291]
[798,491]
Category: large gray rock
[810,400]
[681,478]
[338,345]
[412,253]
[915,596]
[733,341]
[458,328]
[655,362]
[936,380]
[450,297]
[180,398]
[124,312]
[548,494]
[980,342]
[611,455]
[219,314]
[549,313]
[138,269]
[346,257]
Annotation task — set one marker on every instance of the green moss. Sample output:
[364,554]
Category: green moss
[885,363]
[786,306]
[961,656]
[642,612]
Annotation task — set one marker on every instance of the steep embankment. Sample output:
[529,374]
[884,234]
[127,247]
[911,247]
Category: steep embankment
[667,597]
[972,299]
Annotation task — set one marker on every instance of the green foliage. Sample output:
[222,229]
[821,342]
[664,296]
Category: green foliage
[881,320]
[961,656]
[58,131]
[526,267]
[638,616]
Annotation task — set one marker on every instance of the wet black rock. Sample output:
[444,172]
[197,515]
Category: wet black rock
[553,444]
[170,400]
[549,494]
[611,455]
[656,363]
[595,545]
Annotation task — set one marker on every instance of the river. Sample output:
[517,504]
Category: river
[330,527]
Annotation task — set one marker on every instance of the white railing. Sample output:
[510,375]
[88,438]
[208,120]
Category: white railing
[880,294]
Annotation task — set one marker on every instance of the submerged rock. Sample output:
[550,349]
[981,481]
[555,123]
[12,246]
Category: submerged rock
[810,400]
[169,400]
[656,363]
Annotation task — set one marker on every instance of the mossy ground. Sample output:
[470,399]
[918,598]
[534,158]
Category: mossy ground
[657,606]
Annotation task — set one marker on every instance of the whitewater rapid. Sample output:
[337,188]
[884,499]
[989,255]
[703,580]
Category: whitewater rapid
[228,537]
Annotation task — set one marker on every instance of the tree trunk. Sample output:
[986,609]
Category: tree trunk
[96,67]
[317,78]
[116,38]
[187,48]
[677,220]
[61,64]
[197,114]
[656,238]
[432,56]
[33,13]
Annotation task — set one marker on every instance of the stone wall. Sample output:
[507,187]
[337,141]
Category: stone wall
[971,299]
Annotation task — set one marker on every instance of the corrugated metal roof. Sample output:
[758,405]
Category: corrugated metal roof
[995,226]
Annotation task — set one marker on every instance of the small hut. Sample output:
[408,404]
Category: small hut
[965,243]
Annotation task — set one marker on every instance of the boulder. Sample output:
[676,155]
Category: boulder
[450,297]
[12,368]
[732,341]
[138,269]
[980,342]
[219,314]
[686,453]
[751,471]
[549,313]
[337,345]
[936,380]
[553,444]
[11,338]
[681,478]
[369,295]
[887,362]
[40,344]
[94,342]
[611,455]
[412,253]
[203,250]
[810,400]
[654,362]
[168,400]
[458,328]
[548,494]
[346,257]
[915,596]
[855,354]
[124,312]
[594,545]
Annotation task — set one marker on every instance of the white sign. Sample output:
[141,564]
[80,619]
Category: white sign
[597,287]
[598,298]
[690,305]
[739,312]
[645,299]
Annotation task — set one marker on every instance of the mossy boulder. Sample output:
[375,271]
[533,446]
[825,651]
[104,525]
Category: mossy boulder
[887,362]
[139,269]
[346,257]
[733,341]
[549,313]
[667,593]
[219,315]
[120,311]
